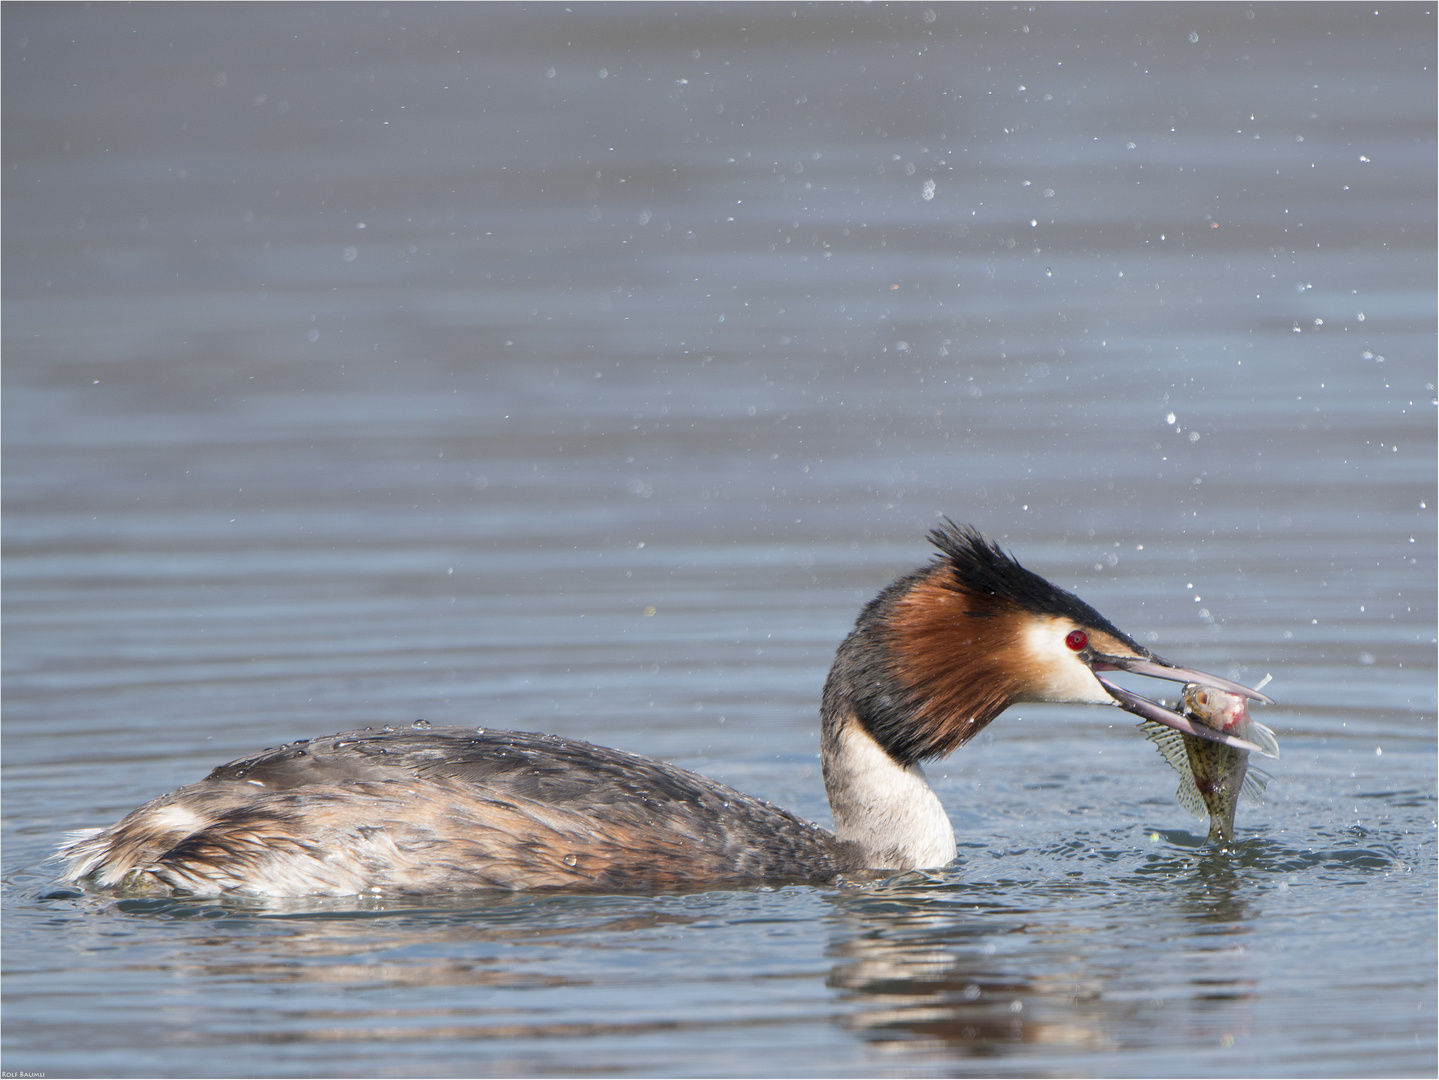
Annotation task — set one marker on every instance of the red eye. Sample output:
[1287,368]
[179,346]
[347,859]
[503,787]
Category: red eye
[1076,640]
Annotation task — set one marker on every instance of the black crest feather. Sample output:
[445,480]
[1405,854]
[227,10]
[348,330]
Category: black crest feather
[983,569]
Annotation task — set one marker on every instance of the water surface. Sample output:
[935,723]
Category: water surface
[585,371]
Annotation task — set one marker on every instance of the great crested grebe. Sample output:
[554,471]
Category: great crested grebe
[931,660]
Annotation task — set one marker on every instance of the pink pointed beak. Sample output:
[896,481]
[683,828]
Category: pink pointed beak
[1152,710]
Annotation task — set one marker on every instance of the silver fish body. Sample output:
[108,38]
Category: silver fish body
[1213,777]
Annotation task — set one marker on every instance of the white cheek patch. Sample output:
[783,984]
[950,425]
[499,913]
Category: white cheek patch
[1057,672]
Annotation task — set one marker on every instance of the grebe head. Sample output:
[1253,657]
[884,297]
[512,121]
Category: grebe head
[943,651]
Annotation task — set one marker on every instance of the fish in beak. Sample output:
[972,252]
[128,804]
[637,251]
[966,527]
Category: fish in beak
[1213,778]
[1158,668]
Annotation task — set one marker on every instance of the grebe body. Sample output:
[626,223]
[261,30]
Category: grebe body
[450,809]
[931,660]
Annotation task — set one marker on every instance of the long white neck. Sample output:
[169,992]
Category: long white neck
[888,809]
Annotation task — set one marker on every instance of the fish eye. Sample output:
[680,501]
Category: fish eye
[1076,640]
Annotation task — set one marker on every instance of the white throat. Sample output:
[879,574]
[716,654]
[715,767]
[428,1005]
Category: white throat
[888,809]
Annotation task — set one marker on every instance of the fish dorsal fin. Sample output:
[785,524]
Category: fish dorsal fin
[1170,745]
[1255,781]
[1263,738]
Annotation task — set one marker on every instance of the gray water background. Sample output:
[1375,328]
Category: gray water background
[585,370]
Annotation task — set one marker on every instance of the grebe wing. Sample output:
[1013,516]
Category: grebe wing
[588,783]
